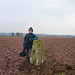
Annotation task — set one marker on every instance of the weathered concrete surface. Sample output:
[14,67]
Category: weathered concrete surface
[37,54]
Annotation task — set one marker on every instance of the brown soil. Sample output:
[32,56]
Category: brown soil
[59,57]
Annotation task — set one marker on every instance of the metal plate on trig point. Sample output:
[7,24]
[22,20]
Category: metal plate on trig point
[37,53]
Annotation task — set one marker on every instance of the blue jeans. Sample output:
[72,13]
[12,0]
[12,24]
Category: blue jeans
[28,53]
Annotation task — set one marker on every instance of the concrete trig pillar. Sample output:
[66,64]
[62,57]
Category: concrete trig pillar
[37,53]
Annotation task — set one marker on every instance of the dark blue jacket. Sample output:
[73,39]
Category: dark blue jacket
[28,40]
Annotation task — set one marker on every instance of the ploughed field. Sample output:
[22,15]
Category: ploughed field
[59,57]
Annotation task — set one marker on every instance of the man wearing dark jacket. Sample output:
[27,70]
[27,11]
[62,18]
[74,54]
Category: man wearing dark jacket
[28,42]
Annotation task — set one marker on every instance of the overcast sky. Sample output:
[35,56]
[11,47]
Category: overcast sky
[45,16]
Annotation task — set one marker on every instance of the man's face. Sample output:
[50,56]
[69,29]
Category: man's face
[30,31]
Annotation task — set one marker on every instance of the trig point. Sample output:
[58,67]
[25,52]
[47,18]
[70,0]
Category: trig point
[37,54]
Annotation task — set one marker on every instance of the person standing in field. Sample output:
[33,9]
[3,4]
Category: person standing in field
[28,42]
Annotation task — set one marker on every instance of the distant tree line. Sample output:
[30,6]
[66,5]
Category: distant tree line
[2,35]
[17,34]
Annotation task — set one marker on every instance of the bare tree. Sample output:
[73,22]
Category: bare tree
[18,34]
[12,34]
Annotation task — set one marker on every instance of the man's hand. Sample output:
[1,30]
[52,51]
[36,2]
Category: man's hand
[31,39]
